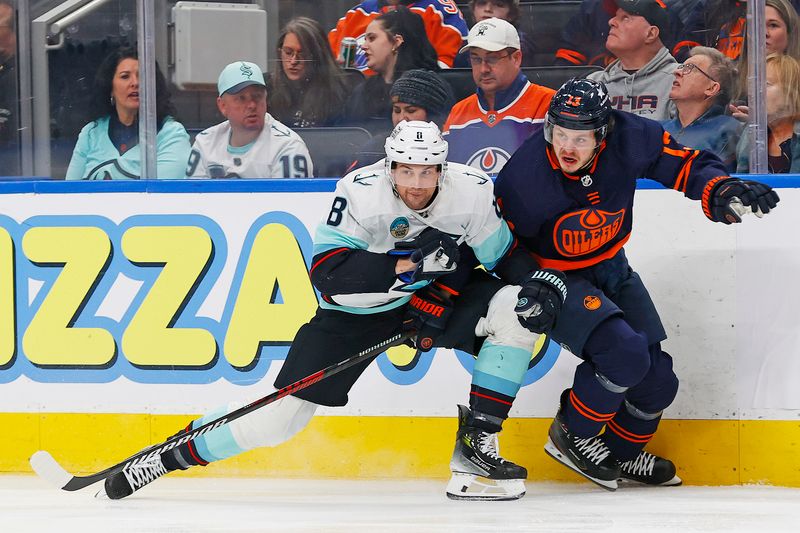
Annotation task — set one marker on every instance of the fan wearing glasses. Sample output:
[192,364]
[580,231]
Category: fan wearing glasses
[701,92]
[486,128]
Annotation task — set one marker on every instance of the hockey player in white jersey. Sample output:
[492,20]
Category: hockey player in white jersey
[251,143]
[398,250]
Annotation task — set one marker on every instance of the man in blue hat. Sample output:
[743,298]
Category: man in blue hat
[250,143]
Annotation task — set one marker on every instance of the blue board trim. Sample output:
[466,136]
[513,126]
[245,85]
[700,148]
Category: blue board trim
[32,185]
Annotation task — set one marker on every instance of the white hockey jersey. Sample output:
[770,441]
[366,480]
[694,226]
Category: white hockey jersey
[278,152]
[367,215]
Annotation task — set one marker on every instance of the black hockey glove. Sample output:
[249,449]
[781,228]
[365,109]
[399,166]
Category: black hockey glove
[729,195]
[427,313]
[540,299]
[435,252]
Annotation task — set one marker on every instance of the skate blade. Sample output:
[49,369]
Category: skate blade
[674,482]
[477,488]
[556,454]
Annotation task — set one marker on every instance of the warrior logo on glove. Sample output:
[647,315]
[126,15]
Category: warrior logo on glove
[542,294]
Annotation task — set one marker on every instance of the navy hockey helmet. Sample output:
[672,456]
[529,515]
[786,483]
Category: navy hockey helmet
[580,104]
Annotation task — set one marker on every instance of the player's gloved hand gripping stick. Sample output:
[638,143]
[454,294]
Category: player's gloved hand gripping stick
[435,252]
[427,313]
[47,467]
[732,198]
[542,294]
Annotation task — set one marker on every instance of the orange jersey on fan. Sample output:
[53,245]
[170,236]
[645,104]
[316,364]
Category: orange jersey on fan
[487,138]
[444,26]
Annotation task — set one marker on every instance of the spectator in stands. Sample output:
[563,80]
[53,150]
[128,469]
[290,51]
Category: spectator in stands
[640,79]
[720,24]
[308,88]
[416,95]
[486,128]
[502,9]
[717,24]
[783,117]
[584,36]
[9,143]
[443,23]
[395,42]
[701,93]
[108,146]
[250,143]
[783,37]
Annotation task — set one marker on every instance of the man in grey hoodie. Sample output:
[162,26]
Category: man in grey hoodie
[639,81]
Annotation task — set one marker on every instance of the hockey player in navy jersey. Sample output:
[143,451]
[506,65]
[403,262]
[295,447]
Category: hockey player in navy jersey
[397,250]
[568,195]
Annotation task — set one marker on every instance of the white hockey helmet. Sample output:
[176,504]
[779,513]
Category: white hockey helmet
[416,143]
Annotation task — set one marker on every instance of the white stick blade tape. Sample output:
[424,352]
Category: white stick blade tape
[738,207]
[49,469]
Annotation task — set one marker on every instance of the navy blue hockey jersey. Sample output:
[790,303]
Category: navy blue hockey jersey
[569,222]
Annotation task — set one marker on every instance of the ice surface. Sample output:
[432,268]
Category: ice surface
[189,505]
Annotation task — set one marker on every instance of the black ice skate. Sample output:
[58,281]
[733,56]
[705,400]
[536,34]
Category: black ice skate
[479,473]
[125,482]
[590,457]
[651,470]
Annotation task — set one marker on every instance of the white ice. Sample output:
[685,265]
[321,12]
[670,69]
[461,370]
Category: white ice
[190,505]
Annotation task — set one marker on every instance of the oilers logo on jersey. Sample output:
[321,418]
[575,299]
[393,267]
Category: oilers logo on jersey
[586,231]
[490,159]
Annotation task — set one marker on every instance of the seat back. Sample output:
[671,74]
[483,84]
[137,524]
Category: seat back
[333,149]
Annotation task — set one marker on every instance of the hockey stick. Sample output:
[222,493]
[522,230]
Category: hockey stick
[48,468]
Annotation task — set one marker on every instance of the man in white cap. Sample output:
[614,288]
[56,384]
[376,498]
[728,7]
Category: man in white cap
[486,128]
[250,144]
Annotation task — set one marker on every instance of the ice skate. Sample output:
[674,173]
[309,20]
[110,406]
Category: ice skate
[479,473]
[125,482]
[651,470]
[587,456]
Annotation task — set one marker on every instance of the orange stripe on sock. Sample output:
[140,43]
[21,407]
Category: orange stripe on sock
[628,435]
[587,412]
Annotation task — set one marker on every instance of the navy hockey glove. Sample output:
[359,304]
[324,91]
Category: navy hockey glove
[730,195]
[427,313]
[540,299]
[435,252]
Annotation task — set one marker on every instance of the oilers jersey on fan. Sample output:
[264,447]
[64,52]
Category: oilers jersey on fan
[444,26]
[367,215]
[485,138]
[278,152]
[570,222]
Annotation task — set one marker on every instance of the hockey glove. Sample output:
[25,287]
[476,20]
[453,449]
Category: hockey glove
[435,252]
[427,313]
[729,195]
[540,299]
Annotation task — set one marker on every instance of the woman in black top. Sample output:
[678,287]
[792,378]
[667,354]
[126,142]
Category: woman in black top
[394,43]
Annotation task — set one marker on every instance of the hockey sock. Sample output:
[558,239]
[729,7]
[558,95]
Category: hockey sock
[488,409]
[182,456]
[629,431]
[589,405]
[496,378]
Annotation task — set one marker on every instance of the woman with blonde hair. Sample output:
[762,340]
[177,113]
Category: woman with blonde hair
[783,116]
[783,37]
